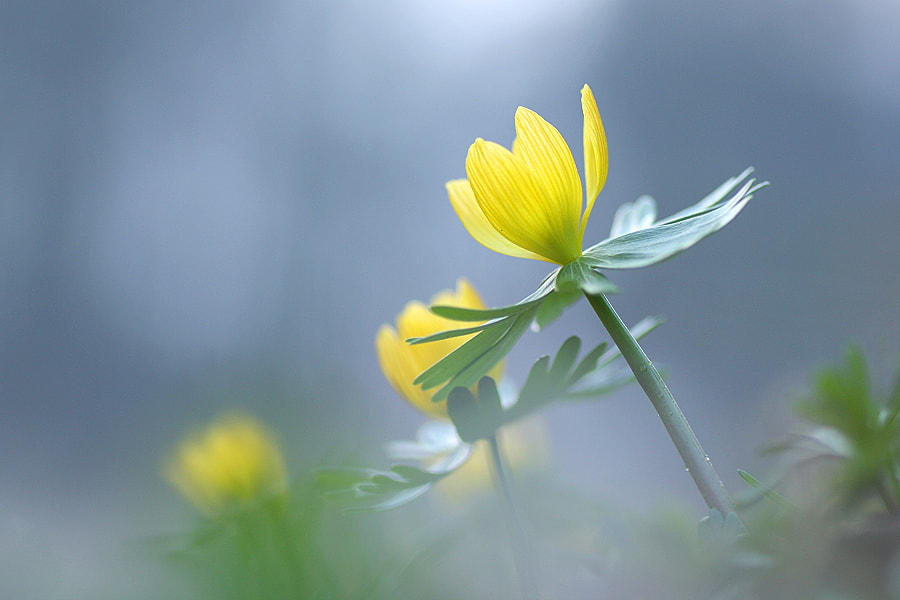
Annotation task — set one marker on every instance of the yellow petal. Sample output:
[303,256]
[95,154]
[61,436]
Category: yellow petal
[545,151]
[463,200]
[401,364]
[515,204]
[596,155]
[465,296]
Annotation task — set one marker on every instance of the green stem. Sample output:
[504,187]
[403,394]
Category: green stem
[695,459]
[525,564]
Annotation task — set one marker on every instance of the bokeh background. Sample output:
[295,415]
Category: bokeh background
[211,205]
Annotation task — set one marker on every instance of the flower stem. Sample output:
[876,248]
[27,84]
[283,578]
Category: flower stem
[677,426]
[523,556]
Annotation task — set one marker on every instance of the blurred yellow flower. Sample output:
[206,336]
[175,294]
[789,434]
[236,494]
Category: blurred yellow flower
[528,202]
[401,363]
[232,461]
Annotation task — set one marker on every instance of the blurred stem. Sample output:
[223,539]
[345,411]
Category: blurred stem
[695,459]
[248,554]
[523,555]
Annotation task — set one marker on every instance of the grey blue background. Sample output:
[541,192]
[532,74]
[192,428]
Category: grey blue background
[213,205]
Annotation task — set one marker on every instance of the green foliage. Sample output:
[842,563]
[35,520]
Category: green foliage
[479,416]
[631,248]
[761,490]
[493,341]
[476,416]
[553,305]
[856,429]
[294,546]
[471,361]
[365,490]
[838,535]
[505,325]
[578,276]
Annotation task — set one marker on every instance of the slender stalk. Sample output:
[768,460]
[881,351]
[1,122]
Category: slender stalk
[523,556]
[695,459]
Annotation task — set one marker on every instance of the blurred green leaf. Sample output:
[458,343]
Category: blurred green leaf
[761,490]
[363,490]
[841,399]
[589,362]
[476,416]
[859,430]
[565,358]
[414,475]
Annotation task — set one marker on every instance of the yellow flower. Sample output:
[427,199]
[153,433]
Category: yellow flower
[401,363]
[528,202]
[233,461]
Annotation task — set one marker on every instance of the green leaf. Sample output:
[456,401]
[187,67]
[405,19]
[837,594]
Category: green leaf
[473,314]
[341,478]
[470,365]
[763,491]
[565,358]
[553,306]
[639,330]
[479,415]
[633,216]
[463,356]
[714,198]
[452,333]
[462,407]
[493,340]
[537,379]
[385,501]
[610,381]
[588,363]
[486,361]
[476,417]
[548,382]
[384,483]
[491,409]
[366,490]
[663,240]
[416,476]
[841,399]
[578,275]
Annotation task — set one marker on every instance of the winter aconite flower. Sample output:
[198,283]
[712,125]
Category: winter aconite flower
[401,362]
[233,461]
[528,202]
